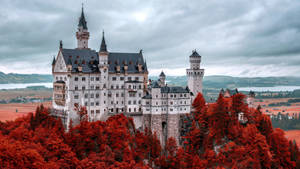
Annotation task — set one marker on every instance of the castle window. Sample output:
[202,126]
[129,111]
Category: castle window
[117,94]
[97,87]
[83,87]
[76,96]
[137,78]
[171,95]
[83,78]
[112,87]
[134,102]
[121,78]
[86,96]
[129,86]
[104,94]
[97,111]
[109,95]
[104,86]
[140,94]
[111,102]
[114,78]
[139,101]
[171,103]
[97,78]
[122,86]
[76,87]
[92,95]
[117,86]
[129,109]
[92,78]
[92,87]
[129,78]
[184,95]
[92,103]
[97,95]
[129,102]
[171,109]
[97,103]
[85,104]
[140,86]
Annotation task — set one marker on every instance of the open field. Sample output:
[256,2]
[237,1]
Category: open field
[25,93]
[293,135]
[294,108]
[15,110]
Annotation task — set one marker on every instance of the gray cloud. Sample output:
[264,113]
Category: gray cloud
[240,38]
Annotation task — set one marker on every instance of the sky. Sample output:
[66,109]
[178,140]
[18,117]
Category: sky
[234,37]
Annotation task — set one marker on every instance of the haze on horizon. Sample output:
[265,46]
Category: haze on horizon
[236,38]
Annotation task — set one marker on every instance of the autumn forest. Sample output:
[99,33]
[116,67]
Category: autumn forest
[214,138]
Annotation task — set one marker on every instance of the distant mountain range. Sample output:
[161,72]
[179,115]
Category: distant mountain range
[219,81]
[24,78]
[208,82]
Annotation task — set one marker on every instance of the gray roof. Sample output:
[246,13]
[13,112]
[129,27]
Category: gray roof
[162,74]
[232,92]
[86,58]
[195,54]
[147,96]
[89,60]
[129,59]
[174,89]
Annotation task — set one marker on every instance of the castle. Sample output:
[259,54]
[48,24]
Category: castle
[108,83]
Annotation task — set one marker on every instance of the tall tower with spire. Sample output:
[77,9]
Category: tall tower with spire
[195,74]
[103,53]
[82,34]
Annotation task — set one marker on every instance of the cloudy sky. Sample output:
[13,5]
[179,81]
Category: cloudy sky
[234,37]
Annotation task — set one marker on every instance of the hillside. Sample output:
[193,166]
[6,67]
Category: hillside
[24,78]
[219,81]
[216,81]
[213,138]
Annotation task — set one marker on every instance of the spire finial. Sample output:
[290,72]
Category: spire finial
[103,44]
[82,21]
[60,44]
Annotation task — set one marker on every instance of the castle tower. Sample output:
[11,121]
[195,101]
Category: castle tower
[103,68]
[103,54]
[250,99]
[195,74]
[162,79]
[82,34]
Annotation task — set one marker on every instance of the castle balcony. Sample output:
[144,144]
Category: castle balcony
[59,86]
[132,90]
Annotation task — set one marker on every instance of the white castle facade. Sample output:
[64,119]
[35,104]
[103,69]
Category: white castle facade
[109,83]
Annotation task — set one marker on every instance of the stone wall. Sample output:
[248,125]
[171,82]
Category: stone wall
[173,126]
